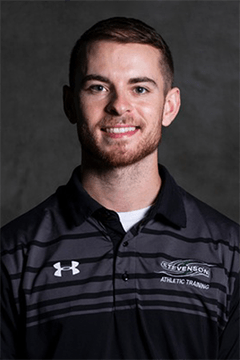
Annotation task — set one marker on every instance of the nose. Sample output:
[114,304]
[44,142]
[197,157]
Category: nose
[119,104]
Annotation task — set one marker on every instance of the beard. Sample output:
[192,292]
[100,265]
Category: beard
[117,155]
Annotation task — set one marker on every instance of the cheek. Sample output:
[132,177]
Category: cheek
[91,109]
[86,114]
[150,114]
[151,108]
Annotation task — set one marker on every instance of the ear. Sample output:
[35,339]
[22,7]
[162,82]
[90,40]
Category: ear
[68,104]
[171,106]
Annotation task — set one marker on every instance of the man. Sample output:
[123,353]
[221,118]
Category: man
[121,263]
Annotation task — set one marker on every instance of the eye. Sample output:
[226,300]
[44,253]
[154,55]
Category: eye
[97,88]
[140,90]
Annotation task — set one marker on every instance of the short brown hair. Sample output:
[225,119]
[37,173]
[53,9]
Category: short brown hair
[121,30]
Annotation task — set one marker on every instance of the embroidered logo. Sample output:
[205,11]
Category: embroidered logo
[184,268]
[73,268]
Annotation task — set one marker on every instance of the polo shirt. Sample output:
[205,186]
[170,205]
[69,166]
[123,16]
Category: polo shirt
[75,285]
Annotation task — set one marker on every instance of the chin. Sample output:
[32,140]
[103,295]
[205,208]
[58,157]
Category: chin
[108,160]
[119,156]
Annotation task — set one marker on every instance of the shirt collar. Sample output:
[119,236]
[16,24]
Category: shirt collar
[77,205]
[169,204]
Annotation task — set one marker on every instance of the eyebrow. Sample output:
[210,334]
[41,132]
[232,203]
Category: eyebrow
[142,79]
[95,77]
[107,81]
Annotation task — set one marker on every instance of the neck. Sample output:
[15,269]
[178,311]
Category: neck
[123,189]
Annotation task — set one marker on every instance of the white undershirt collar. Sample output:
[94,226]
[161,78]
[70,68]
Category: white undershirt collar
[130,218]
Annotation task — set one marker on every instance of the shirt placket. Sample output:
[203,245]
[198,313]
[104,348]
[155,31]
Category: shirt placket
[124,261]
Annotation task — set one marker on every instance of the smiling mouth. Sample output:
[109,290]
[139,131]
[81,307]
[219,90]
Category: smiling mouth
[120,130]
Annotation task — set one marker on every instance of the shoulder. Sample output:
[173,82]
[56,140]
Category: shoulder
[35,223]
[209,222]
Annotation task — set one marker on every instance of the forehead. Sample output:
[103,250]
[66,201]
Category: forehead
[112,57]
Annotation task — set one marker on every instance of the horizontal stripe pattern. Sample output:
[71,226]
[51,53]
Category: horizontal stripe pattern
[60,274]
[119,305]
[192,239]
[49,301]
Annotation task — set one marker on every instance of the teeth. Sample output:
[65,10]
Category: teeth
[118,130]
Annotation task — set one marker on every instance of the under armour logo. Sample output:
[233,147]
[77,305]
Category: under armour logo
[73,267]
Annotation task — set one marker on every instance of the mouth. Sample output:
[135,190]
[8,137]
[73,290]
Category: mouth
[120,131]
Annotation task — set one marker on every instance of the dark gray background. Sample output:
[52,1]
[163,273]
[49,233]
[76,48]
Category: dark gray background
[39,145]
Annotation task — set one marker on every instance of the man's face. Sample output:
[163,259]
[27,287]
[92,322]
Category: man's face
[120,103]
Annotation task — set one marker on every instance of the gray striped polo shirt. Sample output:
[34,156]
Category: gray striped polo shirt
[77,286]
